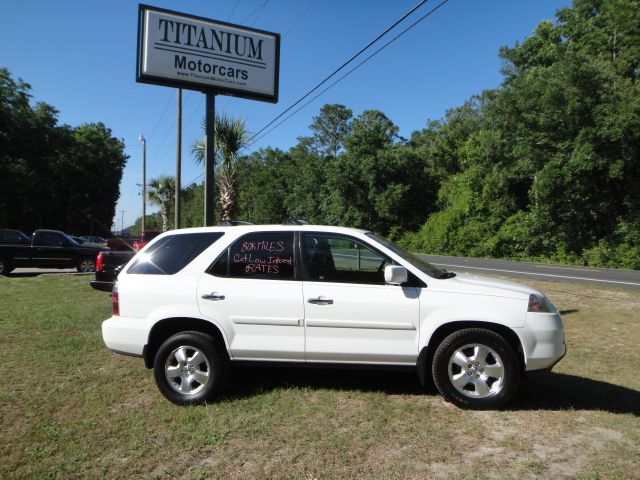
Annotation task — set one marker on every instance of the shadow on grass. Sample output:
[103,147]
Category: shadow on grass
[558,391]
[22,275]
[543,391]
[250,381]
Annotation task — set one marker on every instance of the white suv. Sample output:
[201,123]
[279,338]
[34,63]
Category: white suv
[194,301]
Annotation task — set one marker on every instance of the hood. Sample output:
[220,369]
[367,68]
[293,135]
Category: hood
[479,285]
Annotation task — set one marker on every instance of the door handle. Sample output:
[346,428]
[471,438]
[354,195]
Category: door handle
[214,296]
[321,301]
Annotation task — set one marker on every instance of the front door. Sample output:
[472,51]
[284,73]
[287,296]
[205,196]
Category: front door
[252,292]
[351,315]
[53,250]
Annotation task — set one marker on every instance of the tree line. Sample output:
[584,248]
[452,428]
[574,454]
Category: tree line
[54,176]
[546,166]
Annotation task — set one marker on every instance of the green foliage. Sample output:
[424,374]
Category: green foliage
[262,179]
[54,176]
[230,137]
[330,129]
[543,167]
[546,165]
[162,192]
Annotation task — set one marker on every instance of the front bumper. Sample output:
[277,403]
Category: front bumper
[543,340]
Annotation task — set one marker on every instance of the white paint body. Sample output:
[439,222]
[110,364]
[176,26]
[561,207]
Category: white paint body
[272,320]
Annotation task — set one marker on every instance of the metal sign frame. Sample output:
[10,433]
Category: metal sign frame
[194,84]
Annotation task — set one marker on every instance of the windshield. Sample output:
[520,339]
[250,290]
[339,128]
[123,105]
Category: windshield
[413,259]
[70,240]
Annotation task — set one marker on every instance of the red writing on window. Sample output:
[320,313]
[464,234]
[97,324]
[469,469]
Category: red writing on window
[262,246]
[270,264]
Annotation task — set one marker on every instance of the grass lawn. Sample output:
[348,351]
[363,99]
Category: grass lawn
[70,408]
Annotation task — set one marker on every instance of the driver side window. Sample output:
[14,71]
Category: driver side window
[331,258]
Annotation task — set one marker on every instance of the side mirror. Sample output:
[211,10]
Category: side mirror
[395,275]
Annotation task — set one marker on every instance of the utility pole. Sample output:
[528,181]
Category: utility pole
[209,160]
[122,221]
[144,180]
[178,159]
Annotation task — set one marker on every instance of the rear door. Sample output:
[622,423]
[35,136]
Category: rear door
[252,291]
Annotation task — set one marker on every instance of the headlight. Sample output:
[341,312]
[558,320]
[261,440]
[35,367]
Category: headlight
[540,304]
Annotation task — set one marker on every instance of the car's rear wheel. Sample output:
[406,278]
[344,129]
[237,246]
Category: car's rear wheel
[86,265]
[476,368]
[188,369]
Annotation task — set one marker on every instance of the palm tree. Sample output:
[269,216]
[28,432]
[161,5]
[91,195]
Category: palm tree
[161,192]
[231,135]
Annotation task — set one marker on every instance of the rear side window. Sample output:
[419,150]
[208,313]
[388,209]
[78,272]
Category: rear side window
[173,253]
[265,255]
[13,236]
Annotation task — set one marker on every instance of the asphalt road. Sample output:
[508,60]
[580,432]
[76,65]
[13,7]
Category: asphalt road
[629,279]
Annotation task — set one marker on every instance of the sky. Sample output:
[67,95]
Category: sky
[80,57]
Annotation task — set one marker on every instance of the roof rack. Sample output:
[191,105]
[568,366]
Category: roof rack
[294,221]
[233,223]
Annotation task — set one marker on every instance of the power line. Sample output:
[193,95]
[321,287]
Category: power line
[194,180]
[233,10]
[162,115]
[261,6]
[298,19]
[285,18]
[255,137]
[260,12]
[362,50]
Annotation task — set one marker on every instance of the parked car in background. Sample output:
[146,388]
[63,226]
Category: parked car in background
[195,301]
[109,263]
[108,266]
[121,244]
[79,240]
[48,249]
[145,237]
[94,239]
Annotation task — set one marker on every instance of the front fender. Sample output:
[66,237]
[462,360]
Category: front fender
[440,308]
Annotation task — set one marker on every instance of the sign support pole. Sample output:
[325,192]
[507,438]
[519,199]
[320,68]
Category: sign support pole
[178,161]
[209,161]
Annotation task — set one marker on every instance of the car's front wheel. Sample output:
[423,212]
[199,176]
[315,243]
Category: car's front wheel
[188,369]
[476,368]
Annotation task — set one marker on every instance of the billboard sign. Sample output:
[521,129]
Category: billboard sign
[184,51]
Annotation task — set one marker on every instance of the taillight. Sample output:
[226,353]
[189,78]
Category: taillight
[99,262]
[115,300]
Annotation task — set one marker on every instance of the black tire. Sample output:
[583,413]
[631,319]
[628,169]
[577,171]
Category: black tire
[476,369]
[183,382]
[5,267]
[86,265]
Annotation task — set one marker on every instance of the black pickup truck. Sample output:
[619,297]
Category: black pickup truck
[108,266]
[46,249]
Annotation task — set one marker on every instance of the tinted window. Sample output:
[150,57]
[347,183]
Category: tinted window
[267,255]
[342,259]
[49,239]
[172,253]
[13,236]
[220,268]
